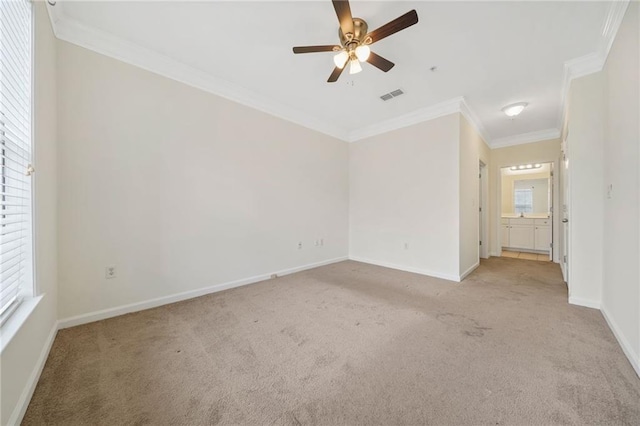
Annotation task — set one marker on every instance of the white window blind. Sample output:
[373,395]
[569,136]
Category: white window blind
[15,148]
[523,200]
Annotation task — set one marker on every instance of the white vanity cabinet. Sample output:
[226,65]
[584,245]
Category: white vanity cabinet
[521,233]
[526,233]
[542,234]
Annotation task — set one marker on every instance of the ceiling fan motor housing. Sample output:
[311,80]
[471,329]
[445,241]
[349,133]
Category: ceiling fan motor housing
[360,29]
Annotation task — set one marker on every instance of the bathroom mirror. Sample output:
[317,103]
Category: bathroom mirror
[526,191]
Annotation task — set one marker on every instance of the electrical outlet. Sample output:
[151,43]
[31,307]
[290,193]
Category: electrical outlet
[300,245]
[321,241]
[110,272]
[406,246]
[274,276]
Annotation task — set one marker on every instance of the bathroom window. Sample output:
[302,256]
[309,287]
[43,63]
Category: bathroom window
[523,200]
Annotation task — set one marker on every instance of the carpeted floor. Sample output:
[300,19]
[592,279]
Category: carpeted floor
[352,344]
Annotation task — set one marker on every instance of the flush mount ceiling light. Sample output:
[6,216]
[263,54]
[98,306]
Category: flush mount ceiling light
[355,39]
[514,109]
[526,166]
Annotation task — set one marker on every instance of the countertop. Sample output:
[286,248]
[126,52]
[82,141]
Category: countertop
[526,216]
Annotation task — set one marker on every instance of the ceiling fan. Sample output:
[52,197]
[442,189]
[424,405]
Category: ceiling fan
[355,41]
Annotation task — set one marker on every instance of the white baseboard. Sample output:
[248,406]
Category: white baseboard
[468,271]
[178,297]
[23,402]
[587,303]
[407,268]
[633,357]
[494,253]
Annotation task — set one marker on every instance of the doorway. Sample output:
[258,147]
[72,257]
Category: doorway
[526,211]
[483,211]
[564,212]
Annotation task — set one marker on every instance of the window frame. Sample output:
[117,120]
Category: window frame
[29,295]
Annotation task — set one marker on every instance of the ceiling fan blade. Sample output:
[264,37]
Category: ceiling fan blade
[343,10]
[380,62]
[313,49]
[335,74]
[408,19]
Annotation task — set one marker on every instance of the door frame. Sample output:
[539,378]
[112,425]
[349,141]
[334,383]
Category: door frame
[555,201]
[483,204]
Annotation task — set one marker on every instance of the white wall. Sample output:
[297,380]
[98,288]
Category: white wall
[404,189]
[537,152]
[23,357]
[586,151]
[181,189]
[472,150]
[621,286]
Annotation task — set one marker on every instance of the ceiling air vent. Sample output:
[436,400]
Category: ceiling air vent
[392,95]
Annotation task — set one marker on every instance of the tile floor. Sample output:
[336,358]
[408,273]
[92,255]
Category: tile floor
[526,256]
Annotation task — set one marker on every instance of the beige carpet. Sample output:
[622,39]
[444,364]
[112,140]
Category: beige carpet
[349,344]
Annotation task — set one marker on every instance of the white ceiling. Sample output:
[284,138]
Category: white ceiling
[492,53]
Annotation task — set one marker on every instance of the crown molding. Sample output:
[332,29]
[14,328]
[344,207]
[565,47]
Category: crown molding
[540,135]
[451,106]
[475,122]
[593,62]
[615,15]
[107,44]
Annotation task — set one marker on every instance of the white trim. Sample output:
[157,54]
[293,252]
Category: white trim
[23,402]
[495,254]
[593,62]
[172,298]
[115,47]
[107,44]
[451,106]
[587,303]
[17,318]
[633,357]
[564,272]
[475,122]
[615,15]
[406,268]
[524,138]
[466,273]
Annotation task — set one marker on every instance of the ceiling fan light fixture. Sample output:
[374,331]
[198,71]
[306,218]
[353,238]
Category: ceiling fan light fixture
[514,109]
[362,52]
[341,59]
[355,67]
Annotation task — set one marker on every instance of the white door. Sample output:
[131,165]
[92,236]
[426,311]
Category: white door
[564,178]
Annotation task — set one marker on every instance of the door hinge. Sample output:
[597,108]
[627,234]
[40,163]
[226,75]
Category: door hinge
[480,242]
[479,208]
[564,259]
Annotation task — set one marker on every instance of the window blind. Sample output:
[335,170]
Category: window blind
[523,200]
[15,150]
